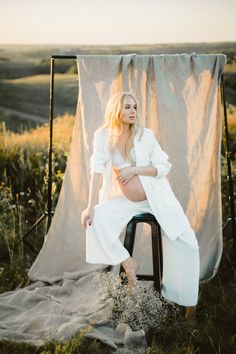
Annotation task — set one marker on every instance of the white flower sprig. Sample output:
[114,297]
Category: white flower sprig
[143,309]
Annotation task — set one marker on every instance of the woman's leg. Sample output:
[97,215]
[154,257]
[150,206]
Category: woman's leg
[181,269]
[103,245]
[102,237]
[189,237]
[131,267]
[180,280]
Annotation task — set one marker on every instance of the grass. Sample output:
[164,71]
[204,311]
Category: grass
[231,117]
[37,139]
[31,94]
[230,68]
[78,344]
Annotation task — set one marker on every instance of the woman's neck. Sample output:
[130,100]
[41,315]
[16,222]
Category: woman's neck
[125,131]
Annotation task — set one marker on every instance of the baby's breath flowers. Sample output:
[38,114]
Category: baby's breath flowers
[143,309]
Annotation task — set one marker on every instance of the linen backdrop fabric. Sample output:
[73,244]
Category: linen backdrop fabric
[179,99]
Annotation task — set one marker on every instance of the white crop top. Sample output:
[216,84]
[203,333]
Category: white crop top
[118,160]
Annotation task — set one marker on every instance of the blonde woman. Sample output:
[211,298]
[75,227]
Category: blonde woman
[132,167]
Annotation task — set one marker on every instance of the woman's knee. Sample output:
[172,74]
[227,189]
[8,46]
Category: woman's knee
[115,207]
[102,208]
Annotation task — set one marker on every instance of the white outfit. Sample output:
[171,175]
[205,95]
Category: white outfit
[118,160]
[180,280]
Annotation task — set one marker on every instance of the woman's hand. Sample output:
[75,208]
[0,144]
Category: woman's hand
[125,174]
[87,217]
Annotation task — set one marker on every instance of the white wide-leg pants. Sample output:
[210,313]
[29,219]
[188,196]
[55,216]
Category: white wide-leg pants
[180,282]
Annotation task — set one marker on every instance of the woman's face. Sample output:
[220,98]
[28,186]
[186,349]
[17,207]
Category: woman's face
[128,111]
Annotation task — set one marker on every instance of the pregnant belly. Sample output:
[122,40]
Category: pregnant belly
[133,190]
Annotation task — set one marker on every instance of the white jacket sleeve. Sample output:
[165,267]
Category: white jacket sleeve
[159,159]
[98,158]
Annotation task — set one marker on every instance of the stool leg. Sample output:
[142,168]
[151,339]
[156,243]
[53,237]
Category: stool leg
[160,249]
[156,255]
[129,237]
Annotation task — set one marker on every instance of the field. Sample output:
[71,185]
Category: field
[24,133]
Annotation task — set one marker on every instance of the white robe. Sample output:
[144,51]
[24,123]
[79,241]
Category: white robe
[163,202]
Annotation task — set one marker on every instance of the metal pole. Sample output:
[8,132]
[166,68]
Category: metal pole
[55,56]
[50,145]
[230,179]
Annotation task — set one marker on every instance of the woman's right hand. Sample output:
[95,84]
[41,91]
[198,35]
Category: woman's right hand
[87,216]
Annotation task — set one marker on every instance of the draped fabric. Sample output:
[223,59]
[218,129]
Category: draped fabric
[179,99]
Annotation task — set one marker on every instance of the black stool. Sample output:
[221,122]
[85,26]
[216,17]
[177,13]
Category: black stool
[156,247]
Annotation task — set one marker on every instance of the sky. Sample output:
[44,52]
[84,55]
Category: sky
[116,22]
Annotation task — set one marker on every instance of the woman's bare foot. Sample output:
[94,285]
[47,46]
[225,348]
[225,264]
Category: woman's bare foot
[190,313]
[131,267]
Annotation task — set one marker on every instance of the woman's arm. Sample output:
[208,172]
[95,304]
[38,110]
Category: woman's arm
[88,213]
[159,158]
[98,157]
[94,185]
[127,173]
[97,166]
[145,170]
[159,164]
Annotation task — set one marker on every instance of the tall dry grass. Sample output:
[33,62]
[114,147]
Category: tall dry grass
[38,139]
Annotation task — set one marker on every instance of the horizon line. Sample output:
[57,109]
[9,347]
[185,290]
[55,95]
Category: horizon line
[115,45]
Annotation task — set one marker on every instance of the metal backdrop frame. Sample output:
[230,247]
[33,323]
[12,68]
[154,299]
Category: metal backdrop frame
[228,154]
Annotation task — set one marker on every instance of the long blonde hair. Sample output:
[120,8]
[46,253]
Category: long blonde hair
[113,121]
